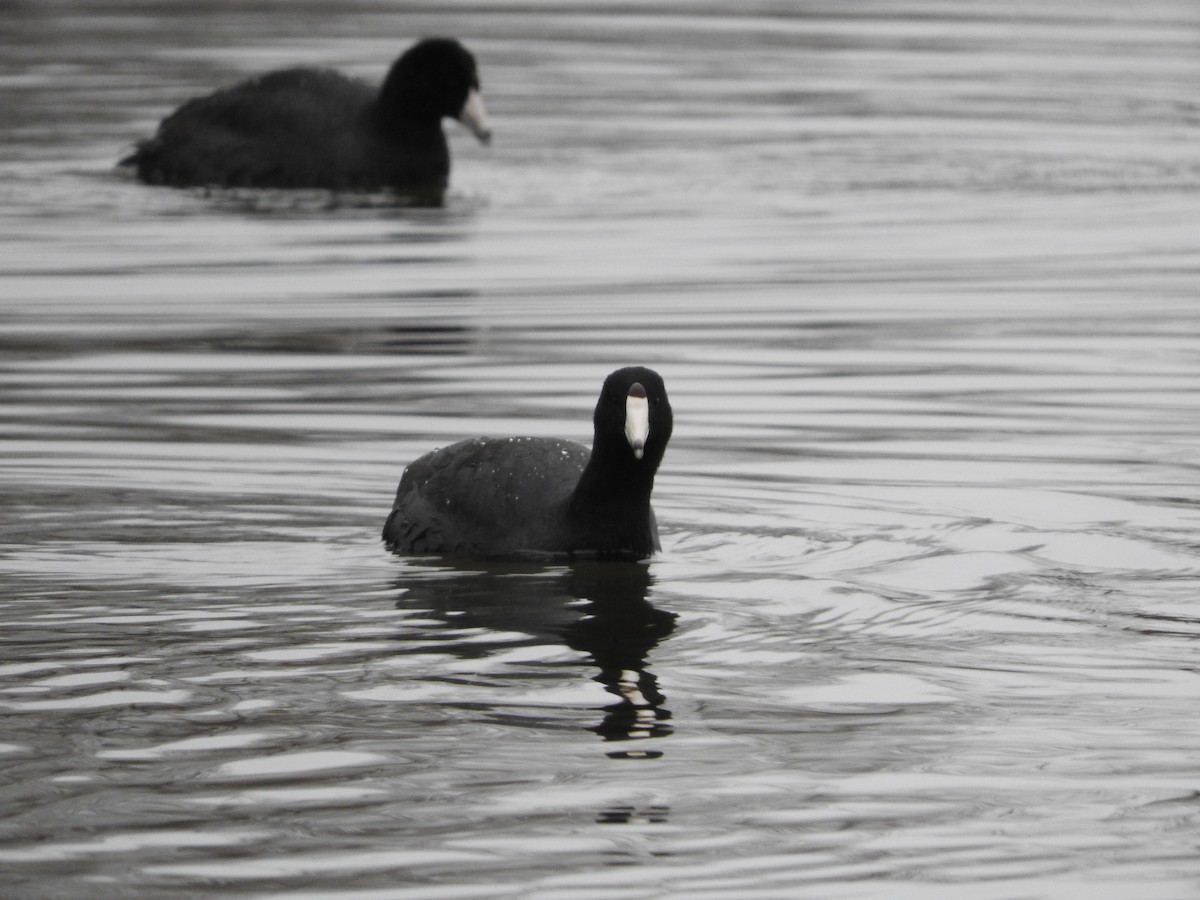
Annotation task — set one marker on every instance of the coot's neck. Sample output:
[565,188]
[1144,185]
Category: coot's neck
[397,123]
[609,510]
[415,147]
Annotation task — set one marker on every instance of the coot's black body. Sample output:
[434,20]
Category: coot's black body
[522,496]
[316,128]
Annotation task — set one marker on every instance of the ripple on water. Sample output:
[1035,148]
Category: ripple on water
[922,283]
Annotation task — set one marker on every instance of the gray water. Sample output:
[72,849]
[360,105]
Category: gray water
[921,278]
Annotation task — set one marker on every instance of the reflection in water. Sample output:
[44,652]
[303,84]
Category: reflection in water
[618,631]
[625,815]
[598,608]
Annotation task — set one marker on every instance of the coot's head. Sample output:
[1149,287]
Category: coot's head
[434,79]
[633,419]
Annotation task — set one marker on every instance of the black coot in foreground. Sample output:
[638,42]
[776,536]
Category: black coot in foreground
[316,128]
[524,496]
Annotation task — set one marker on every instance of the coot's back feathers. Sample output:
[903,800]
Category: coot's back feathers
[506,497]
[316,128]
[473,497]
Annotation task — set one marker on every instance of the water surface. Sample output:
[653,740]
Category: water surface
[921,281]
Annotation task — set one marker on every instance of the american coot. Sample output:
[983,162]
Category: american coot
[315,128]
[526,496]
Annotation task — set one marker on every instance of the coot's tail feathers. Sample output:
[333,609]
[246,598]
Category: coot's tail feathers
[143,156]
[404,534]
[153,163]
[140,151]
